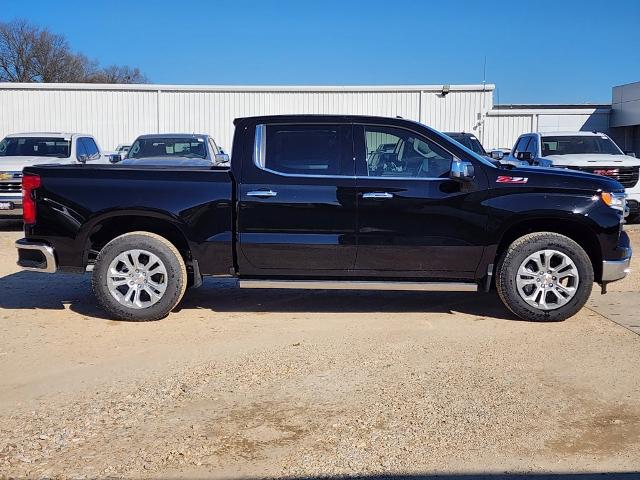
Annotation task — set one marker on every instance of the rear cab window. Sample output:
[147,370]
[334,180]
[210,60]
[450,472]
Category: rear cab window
[304,149]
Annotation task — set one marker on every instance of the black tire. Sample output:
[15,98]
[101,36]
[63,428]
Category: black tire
[176,277]
[516,254]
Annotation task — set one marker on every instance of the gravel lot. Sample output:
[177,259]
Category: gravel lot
[293,383]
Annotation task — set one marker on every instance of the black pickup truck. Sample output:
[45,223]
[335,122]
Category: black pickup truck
[329,202]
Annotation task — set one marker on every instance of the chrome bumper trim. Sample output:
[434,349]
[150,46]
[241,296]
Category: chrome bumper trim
[613,270]
[48,266]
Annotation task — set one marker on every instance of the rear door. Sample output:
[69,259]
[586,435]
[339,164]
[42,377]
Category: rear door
[297,212]
[413,220]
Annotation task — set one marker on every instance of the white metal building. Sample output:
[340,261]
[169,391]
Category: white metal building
[117,114]
[625,116]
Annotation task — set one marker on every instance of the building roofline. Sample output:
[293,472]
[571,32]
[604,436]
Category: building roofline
[248,88]
[550,106]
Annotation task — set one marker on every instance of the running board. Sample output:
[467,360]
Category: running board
[360,285]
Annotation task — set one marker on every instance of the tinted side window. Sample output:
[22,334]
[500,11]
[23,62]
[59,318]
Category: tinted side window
[90,147]
[395,152]
[80,148]
[533,147]
[305,149]
[521,146]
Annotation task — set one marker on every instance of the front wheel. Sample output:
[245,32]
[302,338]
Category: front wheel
[139,276]
[544,276]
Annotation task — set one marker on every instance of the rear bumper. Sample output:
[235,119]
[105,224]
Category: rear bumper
[36,256]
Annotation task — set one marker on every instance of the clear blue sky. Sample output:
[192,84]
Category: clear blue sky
[537,52]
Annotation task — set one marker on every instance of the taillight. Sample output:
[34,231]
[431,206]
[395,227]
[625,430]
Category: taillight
[29,184]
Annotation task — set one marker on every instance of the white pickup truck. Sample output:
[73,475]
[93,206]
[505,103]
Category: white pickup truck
[26,149]
[592,152]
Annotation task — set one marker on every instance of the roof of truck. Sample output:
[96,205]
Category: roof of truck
[48,134]
[173,135]
[571,134]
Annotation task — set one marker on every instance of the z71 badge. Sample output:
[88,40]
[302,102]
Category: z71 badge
[507,179]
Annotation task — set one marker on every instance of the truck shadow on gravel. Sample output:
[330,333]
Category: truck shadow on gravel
[489,476]
[10,225]
[40,291]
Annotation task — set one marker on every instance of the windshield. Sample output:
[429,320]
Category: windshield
[480,158]
[35,147]
[472,143]
[168,147]
[578,144]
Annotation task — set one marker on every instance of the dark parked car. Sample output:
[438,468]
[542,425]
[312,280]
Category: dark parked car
[330,202]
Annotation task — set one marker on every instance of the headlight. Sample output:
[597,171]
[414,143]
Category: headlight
[617,201]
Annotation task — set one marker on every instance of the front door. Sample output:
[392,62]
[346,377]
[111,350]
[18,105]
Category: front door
[413,220]
[298,202]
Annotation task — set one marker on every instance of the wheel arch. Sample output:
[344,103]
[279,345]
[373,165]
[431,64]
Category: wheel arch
[106,227]
[577,231]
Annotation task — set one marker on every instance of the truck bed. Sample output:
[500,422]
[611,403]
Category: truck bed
[76,202]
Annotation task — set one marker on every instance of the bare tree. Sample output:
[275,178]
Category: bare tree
[16,51]
[119,74]
[32,54]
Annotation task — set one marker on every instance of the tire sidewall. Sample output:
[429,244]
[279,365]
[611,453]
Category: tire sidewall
[511,262]
[176,281]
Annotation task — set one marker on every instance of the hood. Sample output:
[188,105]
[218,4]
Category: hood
[167,162]
[16,164]
[592,160]
[553,179]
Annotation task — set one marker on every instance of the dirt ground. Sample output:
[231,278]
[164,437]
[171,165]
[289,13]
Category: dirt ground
[242,383]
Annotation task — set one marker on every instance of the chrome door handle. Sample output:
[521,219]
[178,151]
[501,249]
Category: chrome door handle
[377,195]
[262,193]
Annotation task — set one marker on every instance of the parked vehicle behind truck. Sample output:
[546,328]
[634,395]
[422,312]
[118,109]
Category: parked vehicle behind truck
[330,202]
[177,149]
[26,149]
[591,152]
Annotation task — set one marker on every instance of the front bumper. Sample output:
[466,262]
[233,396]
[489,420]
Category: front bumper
[16,207]
[36,256]
[613,270]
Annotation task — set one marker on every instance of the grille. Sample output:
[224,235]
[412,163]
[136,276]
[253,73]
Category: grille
[10,187]
[627,176]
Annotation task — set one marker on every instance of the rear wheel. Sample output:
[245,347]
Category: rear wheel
[544,276]
[139,276]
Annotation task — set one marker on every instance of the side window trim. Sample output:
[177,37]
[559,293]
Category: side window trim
[260,155]
[363,126]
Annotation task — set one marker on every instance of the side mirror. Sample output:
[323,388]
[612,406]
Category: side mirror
[221,158]
[526,156]
[497,154]
[115,158]
[630,154]
[460,170]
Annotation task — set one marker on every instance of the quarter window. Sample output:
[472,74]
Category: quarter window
[395,152]
[533,147]
[90,147]
[521,146]
[304,149]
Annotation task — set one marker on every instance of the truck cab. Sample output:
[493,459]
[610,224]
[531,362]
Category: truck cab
[21,150]
[592,152]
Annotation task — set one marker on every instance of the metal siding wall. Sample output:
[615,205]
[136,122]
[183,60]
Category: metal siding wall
[501,131]
[112,116]
[502,128]
[213,112]
[118,115]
